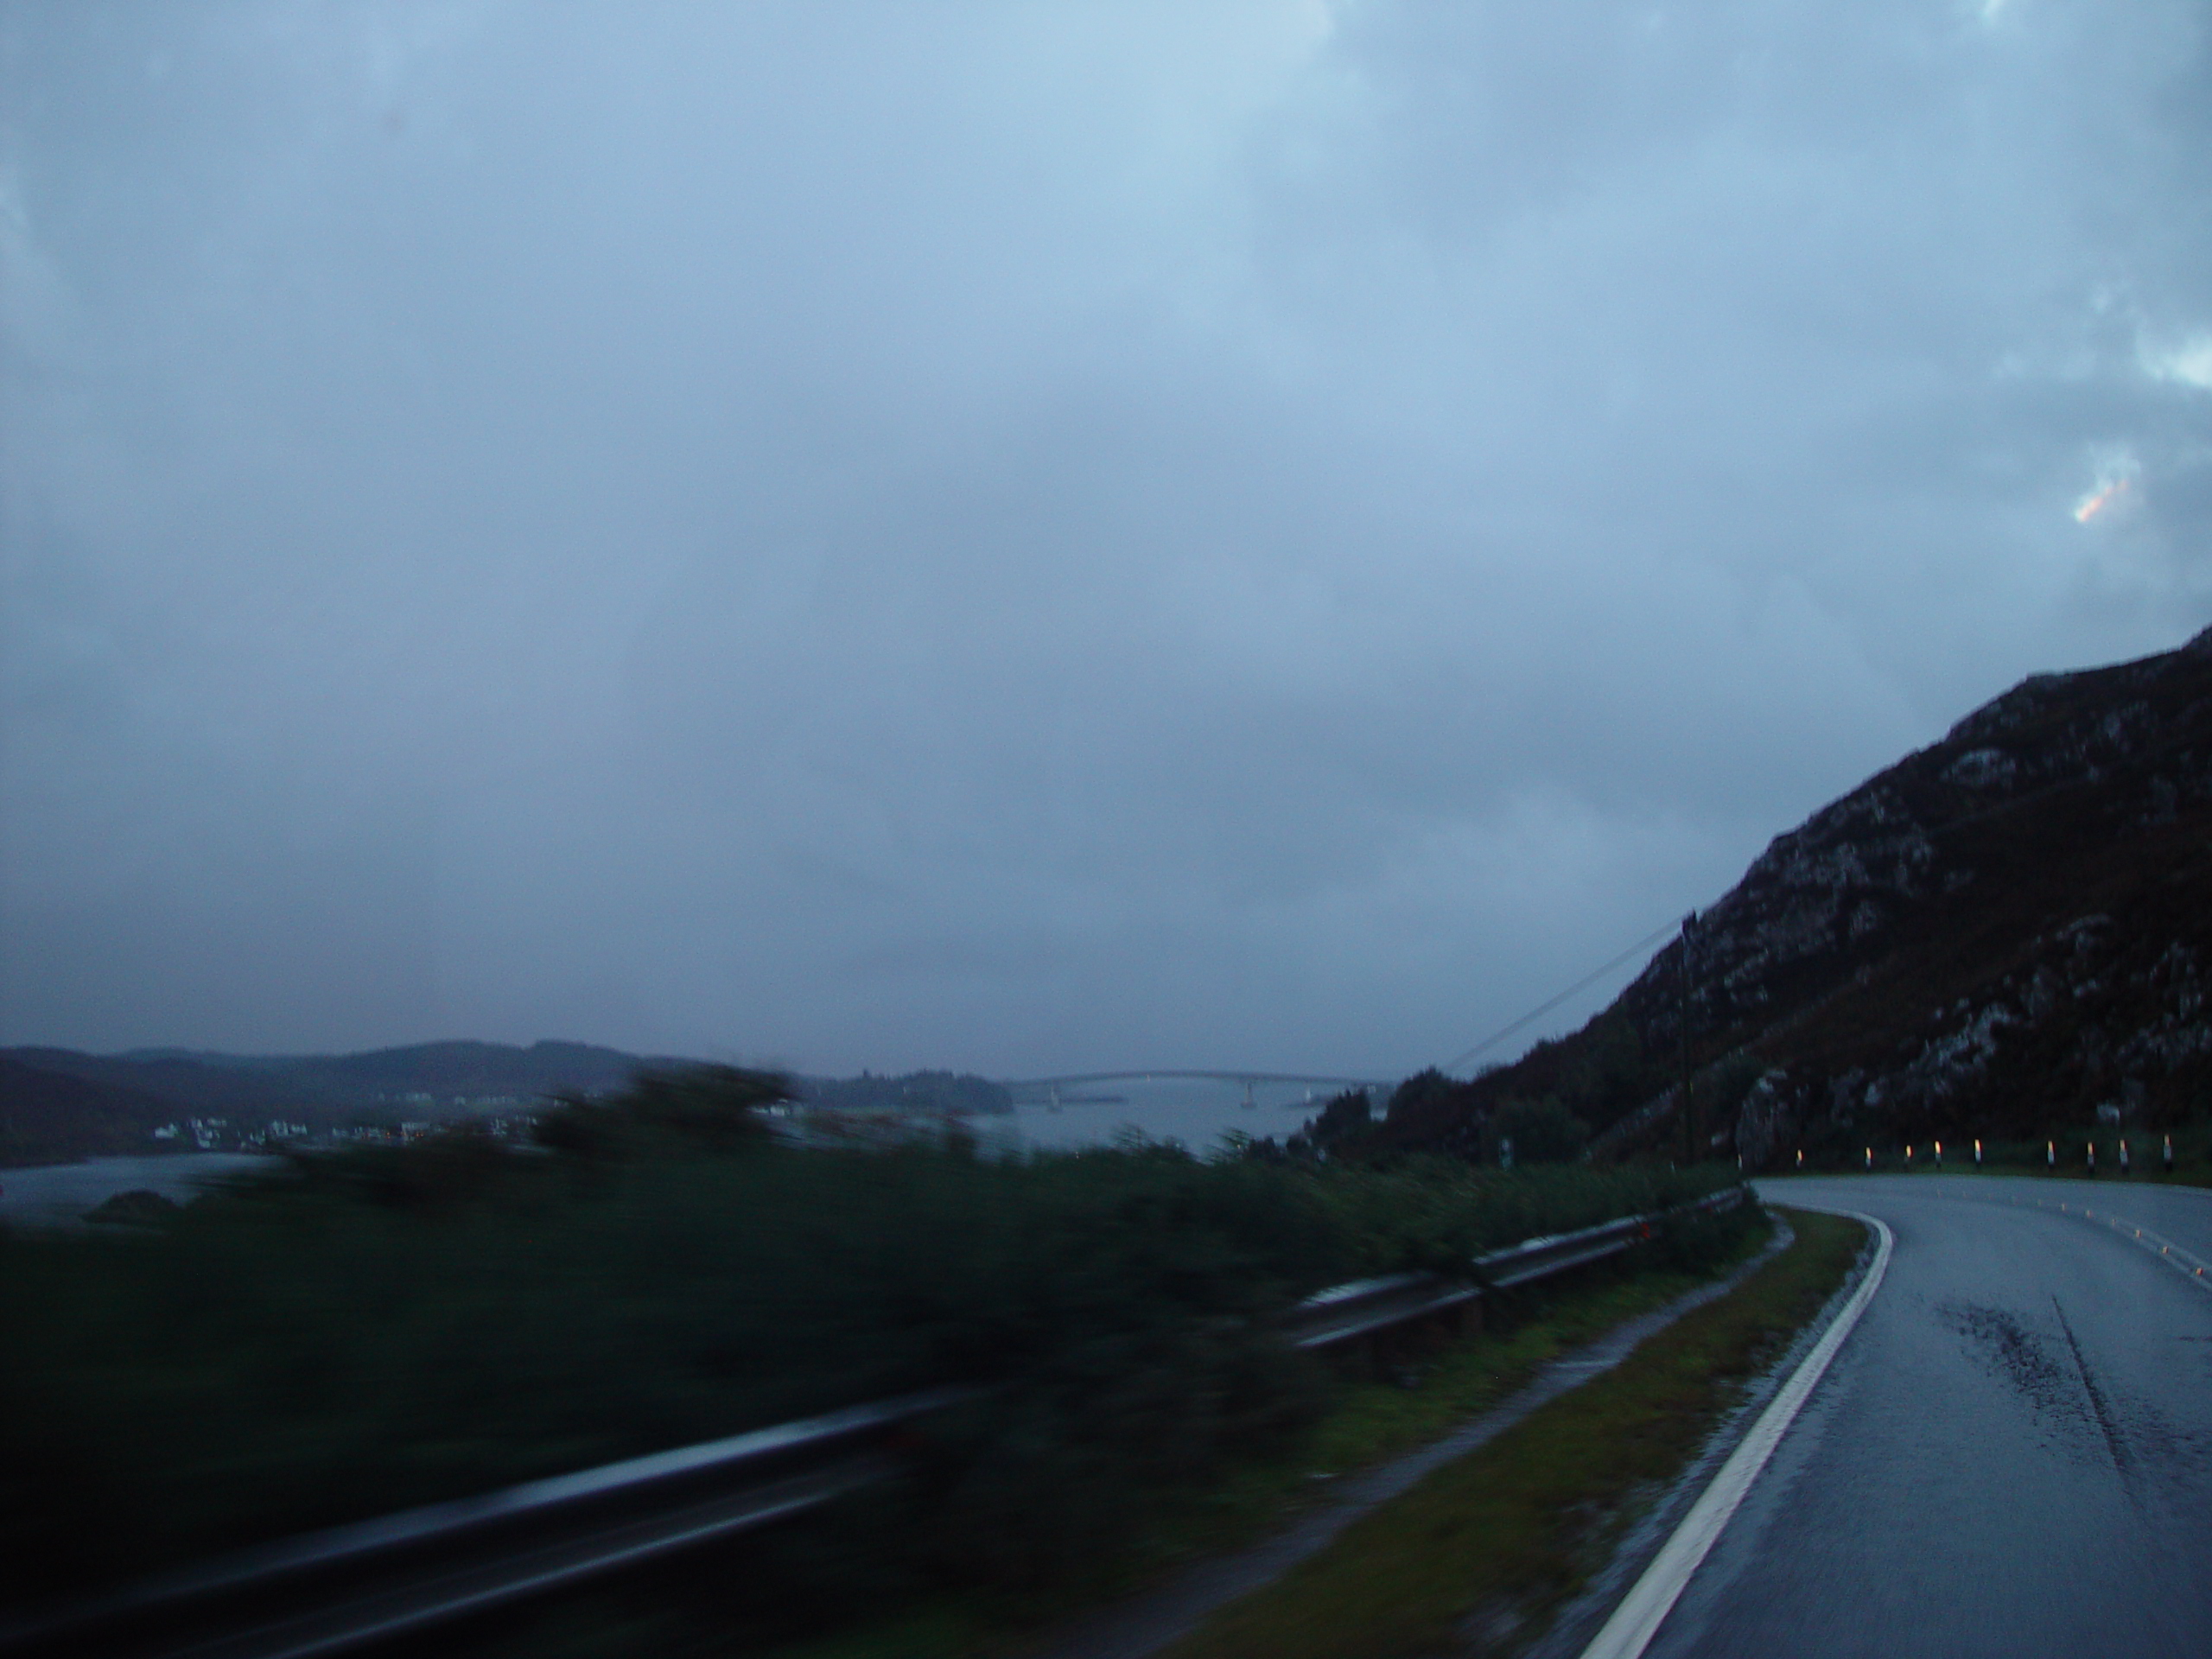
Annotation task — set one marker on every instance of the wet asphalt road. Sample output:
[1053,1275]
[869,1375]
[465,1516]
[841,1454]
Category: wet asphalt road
[2012,1454]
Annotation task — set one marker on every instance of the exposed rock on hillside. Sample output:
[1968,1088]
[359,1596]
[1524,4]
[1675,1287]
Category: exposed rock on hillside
[2003,934]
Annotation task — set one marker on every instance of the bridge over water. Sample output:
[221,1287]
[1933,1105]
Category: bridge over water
[1049,1089]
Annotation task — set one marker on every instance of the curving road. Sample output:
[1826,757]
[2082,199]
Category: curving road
[2011,1453]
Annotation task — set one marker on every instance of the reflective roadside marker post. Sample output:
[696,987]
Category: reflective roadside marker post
[2051,1155]
[1869,1157]
[2093,1157]
[1801,1156]
[1977,1155]
[2169,1154]
[1908,1155]
[2123,1154]
[1939,1154]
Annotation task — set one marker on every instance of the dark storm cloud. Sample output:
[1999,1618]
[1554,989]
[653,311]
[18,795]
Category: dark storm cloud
[1026,537]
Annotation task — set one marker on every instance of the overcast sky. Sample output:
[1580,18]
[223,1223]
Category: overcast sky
[1036,537]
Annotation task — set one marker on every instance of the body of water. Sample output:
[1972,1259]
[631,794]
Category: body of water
[1197,1114]
[59,1194]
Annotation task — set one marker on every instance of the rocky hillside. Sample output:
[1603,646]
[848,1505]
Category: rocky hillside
[2006,934]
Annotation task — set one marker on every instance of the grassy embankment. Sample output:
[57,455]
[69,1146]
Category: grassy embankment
[1481,1554]
[386,1329]
[1421,1390]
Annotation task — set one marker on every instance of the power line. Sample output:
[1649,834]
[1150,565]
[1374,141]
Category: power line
[1582,984]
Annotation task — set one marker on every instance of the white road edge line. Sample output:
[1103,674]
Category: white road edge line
[1645,1607]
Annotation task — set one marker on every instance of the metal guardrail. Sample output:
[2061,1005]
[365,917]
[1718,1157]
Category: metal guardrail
[382,1579]
[1535,1257]
[1364,1307]
[1347,1313]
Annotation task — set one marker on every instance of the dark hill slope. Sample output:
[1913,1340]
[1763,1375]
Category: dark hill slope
[48,1118]
[460,1070]
[1999,935]
[57,1104]
[443,1071]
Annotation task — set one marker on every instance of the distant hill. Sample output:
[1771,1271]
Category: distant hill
[447,1072]
[461,1072]
[2006,934]
[57,1104]
[49,1118]
[201,1084]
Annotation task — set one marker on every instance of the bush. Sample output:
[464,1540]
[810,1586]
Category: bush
[1541,1131]
[379,1330]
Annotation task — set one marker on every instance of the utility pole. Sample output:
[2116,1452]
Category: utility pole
[1691,1150]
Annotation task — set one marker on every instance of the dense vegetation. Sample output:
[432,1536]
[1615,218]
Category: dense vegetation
[379,1329]
[1540,1111]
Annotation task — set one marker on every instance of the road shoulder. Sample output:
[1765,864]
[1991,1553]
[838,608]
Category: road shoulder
[1150,1623]
[1487,1550]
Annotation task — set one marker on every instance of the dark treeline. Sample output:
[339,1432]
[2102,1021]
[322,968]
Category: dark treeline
[1547,1105]
[379,1329]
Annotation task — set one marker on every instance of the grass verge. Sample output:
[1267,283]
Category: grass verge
[377,1330]
[1423,1396]
[1407,1402]
[1482,1554]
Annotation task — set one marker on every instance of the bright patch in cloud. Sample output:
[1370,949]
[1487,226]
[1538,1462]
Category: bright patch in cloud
[2101,497]
[2191,362]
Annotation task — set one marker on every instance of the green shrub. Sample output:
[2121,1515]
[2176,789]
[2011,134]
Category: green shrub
[377,1330]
